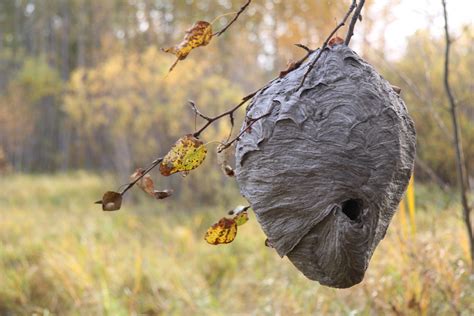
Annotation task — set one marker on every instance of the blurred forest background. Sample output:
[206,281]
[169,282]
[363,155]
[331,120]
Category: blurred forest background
[83,87]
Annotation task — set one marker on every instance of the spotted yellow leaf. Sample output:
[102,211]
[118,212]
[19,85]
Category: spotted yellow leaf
[222,232]
[200,34]
[187,154]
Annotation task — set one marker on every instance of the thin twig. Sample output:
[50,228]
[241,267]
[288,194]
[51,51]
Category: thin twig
[155,163]
[432,174]
[229,113]
[306,48]
[460,163]
[354,19]
[242,9]
[209,120]
[250,122]
[231,119]
[325,44]
[196,111]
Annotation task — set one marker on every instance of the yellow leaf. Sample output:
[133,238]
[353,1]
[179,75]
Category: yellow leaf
[240,214]
[200,34]
[241,218]
[222,232]
[187,154]
[111,201]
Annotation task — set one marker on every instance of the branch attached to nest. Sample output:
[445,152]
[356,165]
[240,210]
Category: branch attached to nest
[211,120]
[250,121]
[325,44]
[355,17]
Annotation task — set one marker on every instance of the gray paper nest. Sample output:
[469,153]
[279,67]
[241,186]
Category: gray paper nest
[326,170]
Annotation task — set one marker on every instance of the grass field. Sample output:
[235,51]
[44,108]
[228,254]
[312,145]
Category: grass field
[60,254]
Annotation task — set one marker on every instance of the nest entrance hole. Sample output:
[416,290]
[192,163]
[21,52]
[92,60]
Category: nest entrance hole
[352,208]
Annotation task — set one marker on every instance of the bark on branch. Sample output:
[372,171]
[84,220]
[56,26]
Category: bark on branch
[354,19]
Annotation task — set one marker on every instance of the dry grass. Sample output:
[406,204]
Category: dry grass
[59,254]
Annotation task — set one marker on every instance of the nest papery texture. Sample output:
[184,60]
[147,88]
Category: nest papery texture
[326,170]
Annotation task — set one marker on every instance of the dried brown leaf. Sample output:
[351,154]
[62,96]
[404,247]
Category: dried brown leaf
[111,201]
[147,185]
[159,195]
[335,41]
[397,89]
[268,243]
[223,157]
[290,66]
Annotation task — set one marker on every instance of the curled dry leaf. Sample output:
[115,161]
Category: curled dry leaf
[187,154]
[228,171]
[268,243]
[159,195]
[238,209]
[147,185]
[200,34]
[248,125]
[223,156]
[335,41]
[290,66]
[111,201]
[397,89]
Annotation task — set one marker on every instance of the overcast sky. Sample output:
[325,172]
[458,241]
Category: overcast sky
[411,15]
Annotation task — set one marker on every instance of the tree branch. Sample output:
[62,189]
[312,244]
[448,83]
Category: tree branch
[325,44]
[229,113]
[196,111]
[250,122]
[354,19]
[155,163]
[242,9]
[306,48]
[460,163]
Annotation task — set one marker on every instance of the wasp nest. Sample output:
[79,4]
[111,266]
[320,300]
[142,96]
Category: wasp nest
[327,167]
